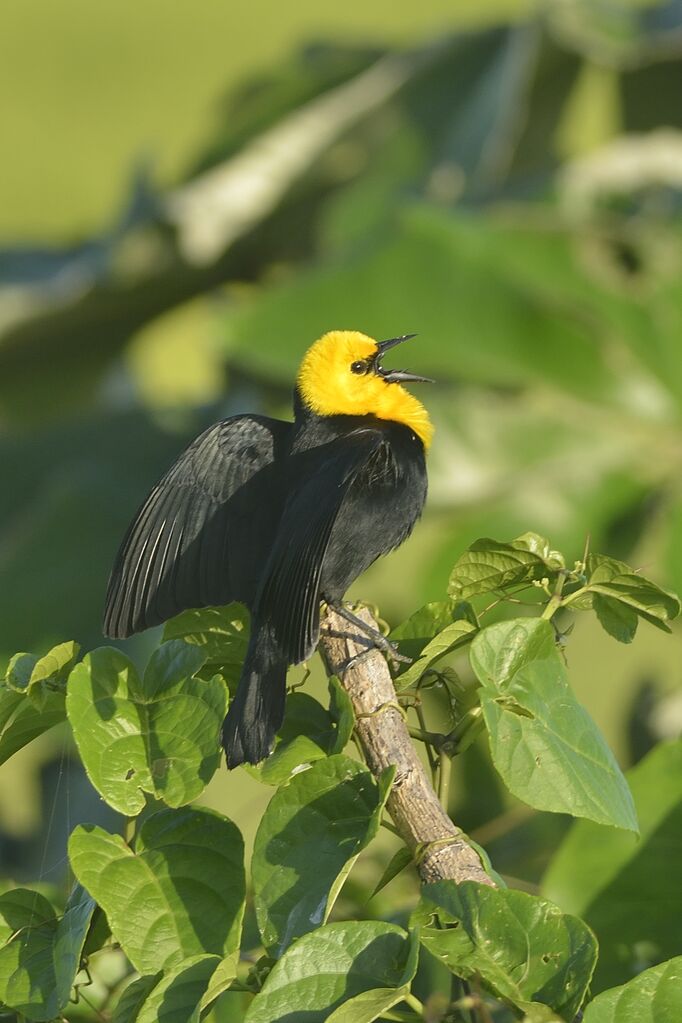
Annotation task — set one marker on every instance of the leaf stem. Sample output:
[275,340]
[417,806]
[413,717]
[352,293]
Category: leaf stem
[129,830]
[419,711]
[415,1004]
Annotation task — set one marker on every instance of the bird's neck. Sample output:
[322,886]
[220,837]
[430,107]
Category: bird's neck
[395,405]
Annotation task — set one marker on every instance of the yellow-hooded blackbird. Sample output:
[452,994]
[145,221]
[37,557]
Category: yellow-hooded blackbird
[280,516]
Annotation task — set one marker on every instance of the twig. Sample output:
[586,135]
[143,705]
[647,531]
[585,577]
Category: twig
[439,846]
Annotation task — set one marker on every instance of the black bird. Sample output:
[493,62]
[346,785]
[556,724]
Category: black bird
[280,516]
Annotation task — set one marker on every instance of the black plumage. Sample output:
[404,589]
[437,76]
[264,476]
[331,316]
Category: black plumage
[278,516]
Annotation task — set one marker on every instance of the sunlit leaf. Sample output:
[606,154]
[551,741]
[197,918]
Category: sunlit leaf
[490,565]
[156,735]
[524,949]
[40,960]
[544,744]
[222,633]
[621,884]
[655,996]
[180,894]
[306,844]
[327,969]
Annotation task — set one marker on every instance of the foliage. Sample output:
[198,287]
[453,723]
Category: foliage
[512,193]
[173,890]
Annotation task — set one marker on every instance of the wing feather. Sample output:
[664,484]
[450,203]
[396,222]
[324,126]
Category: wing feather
[289,596]
[190,544]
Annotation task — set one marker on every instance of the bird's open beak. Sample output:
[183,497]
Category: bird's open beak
[396,376]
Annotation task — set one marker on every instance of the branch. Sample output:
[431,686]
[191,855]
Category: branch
[438,845]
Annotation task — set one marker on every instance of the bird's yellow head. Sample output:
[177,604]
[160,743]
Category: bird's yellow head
[341,374]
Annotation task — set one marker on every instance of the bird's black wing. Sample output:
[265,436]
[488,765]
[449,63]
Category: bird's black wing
[289,597]
[194,541]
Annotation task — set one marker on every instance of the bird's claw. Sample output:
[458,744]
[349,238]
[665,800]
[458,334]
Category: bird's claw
[387,648]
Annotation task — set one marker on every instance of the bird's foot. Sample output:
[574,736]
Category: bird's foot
[377,640]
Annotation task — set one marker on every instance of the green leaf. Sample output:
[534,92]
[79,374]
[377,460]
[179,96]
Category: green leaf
[621,885]
[524,949]
[544,744]
[371,1005]
[341,710]
[179,995]
[398,862]
[306,844]
[221,632]
[616,580]
[308,733]
[19,671]
[21,721]
[451,637]
[181,893]
[415,632]
[133,998]
[158,735]
[491,565]
[331,967]
[40,960]
[616,618]
[52,670]
[655,996]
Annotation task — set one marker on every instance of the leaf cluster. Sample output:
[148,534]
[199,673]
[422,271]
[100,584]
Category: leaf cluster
[172,893]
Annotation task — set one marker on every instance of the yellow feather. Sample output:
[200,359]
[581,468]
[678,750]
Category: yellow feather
[329,388]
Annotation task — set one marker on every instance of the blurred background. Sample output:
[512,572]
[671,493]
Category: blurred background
[191,195]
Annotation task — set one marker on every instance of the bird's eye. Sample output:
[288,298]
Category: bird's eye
[358,367]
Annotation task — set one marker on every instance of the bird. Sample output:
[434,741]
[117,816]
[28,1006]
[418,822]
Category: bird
[281,516]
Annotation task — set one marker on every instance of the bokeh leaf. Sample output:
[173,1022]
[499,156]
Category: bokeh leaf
[41,956]
[156,735]
[543,742]
[524,949]
[180,894]
[331,966]
[655,996]
[306,843]
[621,885]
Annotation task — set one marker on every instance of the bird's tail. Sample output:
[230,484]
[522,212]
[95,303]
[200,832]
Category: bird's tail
[257,711]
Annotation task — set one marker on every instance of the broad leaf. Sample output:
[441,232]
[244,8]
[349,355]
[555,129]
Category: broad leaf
[524,949]
[41,956]
[544,744]
[306,844]
[330,968]
[221,632]
[52,671]
[490,565]
[308,733]
[619,620]
[622,885]
[21,720]
[180,894]
[415,632]
[133,998]
[179,995]
[401,859]
[655,996]
[156,735]
[615,582]
[451,637]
